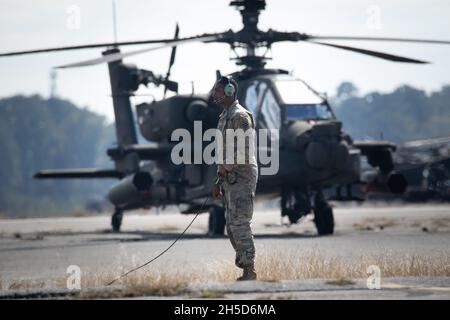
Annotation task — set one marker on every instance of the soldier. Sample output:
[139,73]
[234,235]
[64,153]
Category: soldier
[236,181]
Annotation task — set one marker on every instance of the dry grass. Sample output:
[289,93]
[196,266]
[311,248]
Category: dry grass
[434,224]
[80,213]
[167,229]
[375,223]
[340,282]
[166,282]
[137,285]
[286,265]
[31,284]
[207,294]
[443,222]
[431,224]
[313,265]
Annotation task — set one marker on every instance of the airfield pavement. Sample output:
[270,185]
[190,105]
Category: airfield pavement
[41,249]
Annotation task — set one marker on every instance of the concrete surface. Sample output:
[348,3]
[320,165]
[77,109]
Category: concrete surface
[36,249]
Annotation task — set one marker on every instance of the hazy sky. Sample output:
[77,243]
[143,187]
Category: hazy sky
[45,23]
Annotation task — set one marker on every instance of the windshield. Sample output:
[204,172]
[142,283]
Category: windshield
[294,91]
[300,102]
[306,112]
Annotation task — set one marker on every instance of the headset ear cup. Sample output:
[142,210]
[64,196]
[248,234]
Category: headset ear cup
[229,90]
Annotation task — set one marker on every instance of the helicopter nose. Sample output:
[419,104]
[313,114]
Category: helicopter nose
[317,155]
[323,155]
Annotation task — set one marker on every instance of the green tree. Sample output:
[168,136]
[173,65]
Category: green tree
[36,134]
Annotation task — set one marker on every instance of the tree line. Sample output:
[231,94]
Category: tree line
[38,133]
[405,114]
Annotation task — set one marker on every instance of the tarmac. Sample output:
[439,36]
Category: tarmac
[42,249]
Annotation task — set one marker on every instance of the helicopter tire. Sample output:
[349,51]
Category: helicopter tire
[216,221]
[116,220]
[324,220]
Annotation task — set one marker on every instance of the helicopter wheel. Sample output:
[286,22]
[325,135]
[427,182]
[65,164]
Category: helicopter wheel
[116,220]
[216,222]
[295,203]
[323,215]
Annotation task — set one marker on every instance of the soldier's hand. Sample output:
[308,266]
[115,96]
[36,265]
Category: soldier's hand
[224,168]
[221,169]
[216,192]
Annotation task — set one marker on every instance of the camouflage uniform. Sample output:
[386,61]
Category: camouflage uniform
[238,186]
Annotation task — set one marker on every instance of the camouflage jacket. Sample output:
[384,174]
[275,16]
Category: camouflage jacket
[237,117]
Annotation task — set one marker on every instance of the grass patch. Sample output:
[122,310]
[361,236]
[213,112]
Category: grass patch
[171,280]
[375,223]
[167,229]
[314,265]
[207,294]
[434,224]
[81,214]
[340,282]
[141,283]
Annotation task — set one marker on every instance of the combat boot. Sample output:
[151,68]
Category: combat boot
[248,275]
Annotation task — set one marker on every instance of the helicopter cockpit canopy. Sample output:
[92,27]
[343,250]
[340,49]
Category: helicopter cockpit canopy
[284,99]
[300,102]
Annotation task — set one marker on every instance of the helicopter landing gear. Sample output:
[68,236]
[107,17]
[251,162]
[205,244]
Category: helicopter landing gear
[295,204]
[323,215]
[216,222]
[116,220]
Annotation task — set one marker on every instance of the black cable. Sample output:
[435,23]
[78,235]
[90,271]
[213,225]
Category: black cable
[164,251]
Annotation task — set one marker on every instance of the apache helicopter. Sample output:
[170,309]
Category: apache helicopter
[425,164]
[314,152]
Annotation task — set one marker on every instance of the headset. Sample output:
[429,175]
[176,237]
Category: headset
[229,88]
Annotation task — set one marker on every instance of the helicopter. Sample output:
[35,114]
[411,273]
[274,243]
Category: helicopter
[315,154]
[425,163]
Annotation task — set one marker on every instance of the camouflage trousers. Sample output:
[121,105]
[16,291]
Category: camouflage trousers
[238,199]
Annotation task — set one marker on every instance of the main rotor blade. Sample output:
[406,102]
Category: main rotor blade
[430,41]
[120,55]
[171,62]
[372,53]
[98,45]
[174,51]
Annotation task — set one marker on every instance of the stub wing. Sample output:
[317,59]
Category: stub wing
[78,173]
